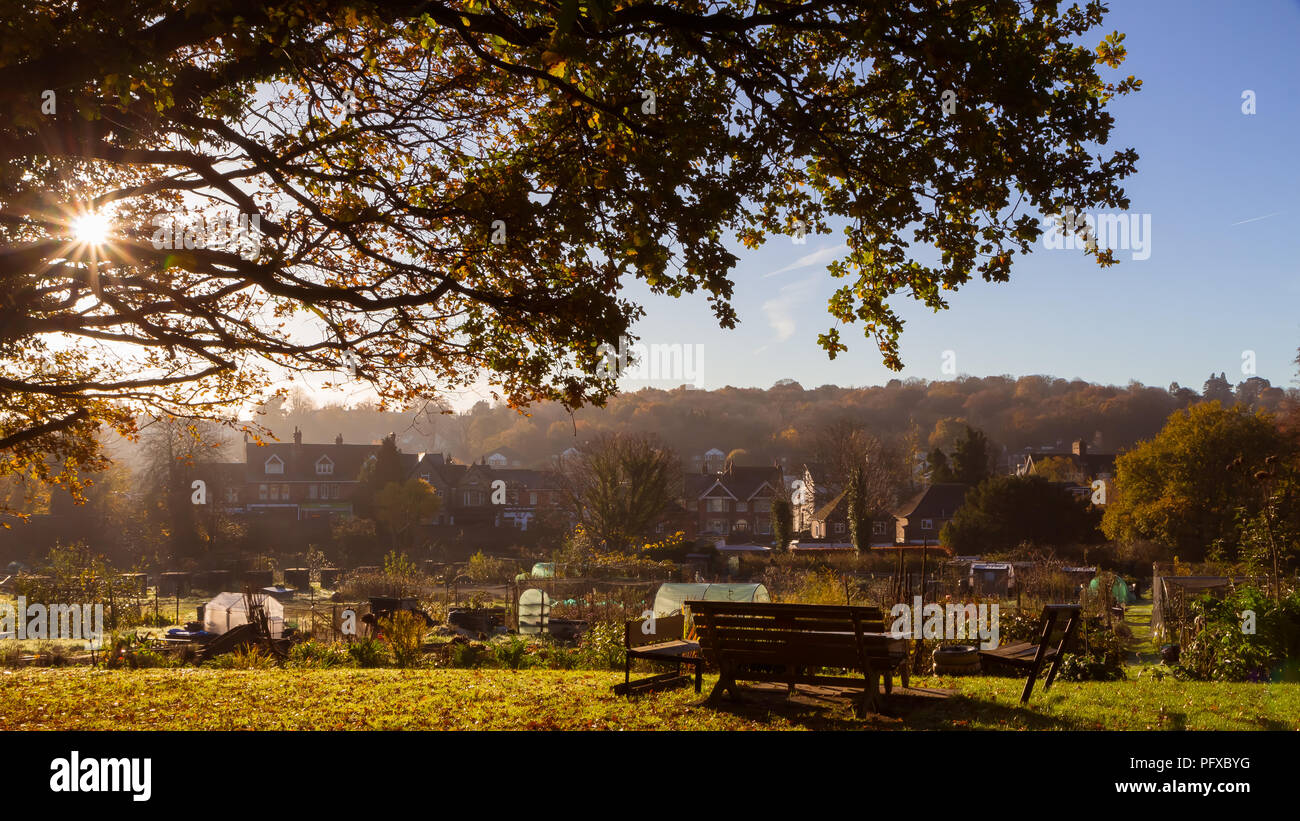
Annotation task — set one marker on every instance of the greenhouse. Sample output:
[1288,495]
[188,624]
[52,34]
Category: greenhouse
[670,597]
[229,610]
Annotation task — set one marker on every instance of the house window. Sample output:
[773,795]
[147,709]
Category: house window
[693,504]
[311,492]
[261,492]
[877,528]
[742,507]
[763,526]
[716,505]
[473,498]
[275,493]
[232,495]
[718,525]
[532,499]
[659,527]
[742,524]
[762,505]
[324,466]
[275,465]
[927,524]
[838,528]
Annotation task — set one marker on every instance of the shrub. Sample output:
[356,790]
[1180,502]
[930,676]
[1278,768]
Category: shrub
[9,654]
[602,645]
[319,655]
[368,652]
[51,654]
[511,653]
[246,657]
[403,632]
[483,568]
[145,657]
[1098,654]
[1223,651]
[466,655]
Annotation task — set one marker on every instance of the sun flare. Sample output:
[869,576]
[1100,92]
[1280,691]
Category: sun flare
[90,229]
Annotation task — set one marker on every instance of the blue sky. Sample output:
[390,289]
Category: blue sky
[1222,277]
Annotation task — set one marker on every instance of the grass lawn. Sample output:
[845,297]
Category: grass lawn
[289,699]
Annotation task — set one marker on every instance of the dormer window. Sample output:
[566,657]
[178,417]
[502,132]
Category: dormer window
[324,466]
[275,465]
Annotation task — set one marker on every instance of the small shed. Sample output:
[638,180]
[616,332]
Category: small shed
[991,578]
[228,610]
[670,597]
[174,583]
[297,577]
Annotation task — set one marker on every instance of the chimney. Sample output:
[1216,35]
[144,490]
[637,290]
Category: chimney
[297,435]
[338,440]
[1080,447]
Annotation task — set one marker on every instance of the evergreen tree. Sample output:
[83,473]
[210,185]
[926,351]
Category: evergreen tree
[970,458]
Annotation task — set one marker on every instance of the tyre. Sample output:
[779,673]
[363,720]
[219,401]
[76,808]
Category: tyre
[956,660]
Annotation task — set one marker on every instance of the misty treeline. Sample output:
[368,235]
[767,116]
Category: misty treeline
[788,420]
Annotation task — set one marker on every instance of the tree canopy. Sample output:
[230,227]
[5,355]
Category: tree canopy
[1187,487]
[1004,513]
[433,191]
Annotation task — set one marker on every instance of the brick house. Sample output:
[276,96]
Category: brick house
[920,518]
[735,502]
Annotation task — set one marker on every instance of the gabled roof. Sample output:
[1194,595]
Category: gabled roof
[825,510]
[740,483]
[938,501]
[838,505]
[300,461]
[717,483]
[1090,463]
[531,479]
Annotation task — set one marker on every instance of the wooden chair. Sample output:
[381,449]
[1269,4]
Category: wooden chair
[664,644]
[1031,656]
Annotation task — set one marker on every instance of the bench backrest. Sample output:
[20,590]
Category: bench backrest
[636,633]
[788,633]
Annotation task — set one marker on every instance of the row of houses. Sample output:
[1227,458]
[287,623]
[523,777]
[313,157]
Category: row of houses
[301,481]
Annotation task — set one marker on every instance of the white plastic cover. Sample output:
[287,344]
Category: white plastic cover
[534,611]
[228,610]
[670,597]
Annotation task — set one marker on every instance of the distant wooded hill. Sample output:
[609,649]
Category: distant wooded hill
[785,421]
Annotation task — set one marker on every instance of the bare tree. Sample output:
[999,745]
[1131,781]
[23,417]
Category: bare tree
[620,485]
[849,451]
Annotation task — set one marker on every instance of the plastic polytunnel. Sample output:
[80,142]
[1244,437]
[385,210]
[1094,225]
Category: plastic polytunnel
[671,596]
[229,610]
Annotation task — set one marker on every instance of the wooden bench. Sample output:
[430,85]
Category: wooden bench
[659,641]
[791,643]
[1030,656]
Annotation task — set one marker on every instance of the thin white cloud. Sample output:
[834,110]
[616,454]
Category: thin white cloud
[821,255]
[780,310]
[1257,219]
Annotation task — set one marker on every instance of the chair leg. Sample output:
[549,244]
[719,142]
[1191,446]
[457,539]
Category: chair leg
[1060,653]
[698,676]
